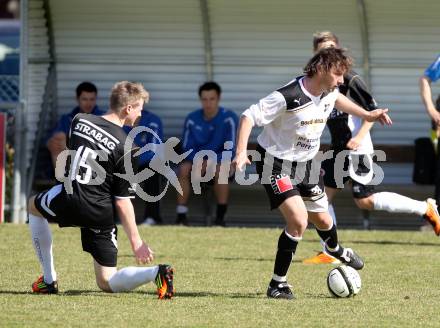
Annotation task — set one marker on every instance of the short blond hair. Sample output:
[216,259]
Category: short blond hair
[324,36]
[125,93]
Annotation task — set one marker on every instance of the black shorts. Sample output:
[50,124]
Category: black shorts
[359,190]
[280,184]
[101,243]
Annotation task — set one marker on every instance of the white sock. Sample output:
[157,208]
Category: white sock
[130,278]
[181,209]
[279,278]
[395,203]
[42,242]
[298,239]
[332,213]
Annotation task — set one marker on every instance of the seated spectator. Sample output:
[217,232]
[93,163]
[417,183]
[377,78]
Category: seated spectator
[152,185]
[207,128]
[86,94]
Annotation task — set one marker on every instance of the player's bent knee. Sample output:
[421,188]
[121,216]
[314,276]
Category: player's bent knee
[365,203]
[31,207]
[103,275]
[103,285]
[296,228]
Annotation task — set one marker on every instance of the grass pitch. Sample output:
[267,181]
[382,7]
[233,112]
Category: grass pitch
[221,279]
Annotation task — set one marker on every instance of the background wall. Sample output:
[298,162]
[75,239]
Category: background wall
[256,46]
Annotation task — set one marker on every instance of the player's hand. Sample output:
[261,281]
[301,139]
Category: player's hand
[435,116]
[241,160]
[353,144]
[143,253]
[380,115]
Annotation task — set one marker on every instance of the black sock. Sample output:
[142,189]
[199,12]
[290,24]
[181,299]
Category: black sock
[181,218]
[221,211]
[330,238]
[285,252]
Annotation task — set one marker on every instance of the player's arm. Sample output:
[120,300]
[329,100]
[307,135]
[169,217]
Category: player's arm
[360,94]
[125,212]
[56,144]
[431,74]
[346,105]
[356,140]
[426,94]
[244,131]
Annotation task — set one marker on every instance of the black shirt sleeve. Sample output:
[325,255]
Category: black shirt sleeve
[123,186]
[359,93]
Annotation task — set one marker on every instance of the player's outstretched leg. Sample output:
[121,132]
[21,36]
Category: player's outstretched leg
[164,281]
[432,215]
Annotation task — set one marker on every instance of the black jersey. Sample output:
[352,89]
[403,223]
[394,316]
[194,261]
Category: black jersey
[94,187]
[355,89]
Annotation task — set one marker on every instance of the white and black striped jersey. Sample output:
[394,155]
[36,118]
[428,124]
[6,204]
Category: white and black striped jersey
[343,126]
[96,140]
[292,120]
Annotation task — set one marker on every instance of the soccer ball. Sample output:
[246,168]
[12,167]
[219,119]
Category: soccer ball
[343,281]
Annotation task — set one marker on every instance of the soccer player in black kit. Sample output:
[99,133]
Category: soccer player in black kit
[351,134]
[93,194]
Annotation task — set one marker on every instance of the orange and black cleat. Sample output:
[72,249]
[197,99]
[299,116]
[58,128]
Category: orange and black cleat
[432,215]
[164,281]
[41,287]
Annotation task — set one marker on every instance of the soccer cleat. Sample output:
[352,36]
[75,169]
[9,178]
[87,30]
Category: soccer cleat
[164,281]
[282,291]
[41,287]
[220,223]
[432,215]
[182,220]
[321,258]
[350,258]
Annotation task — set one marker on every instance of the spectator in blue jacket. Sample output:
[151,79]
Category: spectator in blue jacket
[152,186]
[86,94]
[432,74]
[207,128]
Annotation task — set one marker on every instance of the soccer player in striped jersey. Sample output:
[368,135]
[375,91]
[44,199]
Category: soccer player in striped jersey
[293,118]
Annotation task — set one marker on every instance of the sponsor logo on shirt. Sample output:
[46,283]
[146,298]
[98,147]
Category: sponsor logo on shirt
[95,134]
[313,121]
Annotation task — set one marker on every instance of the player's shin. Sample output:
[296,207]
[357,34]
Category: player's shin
[42,242]
[129,278]
[330,238]
[286,249]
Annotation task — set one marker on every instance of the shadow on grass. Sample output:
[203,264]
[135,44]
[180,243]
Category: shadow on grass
[76,292]
[391,242]
[271,259]
[15,292]
[179,294]
[377,242]
[222,295]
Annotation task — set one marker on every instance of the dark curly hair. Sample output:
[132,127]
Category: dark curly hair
[327,59]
